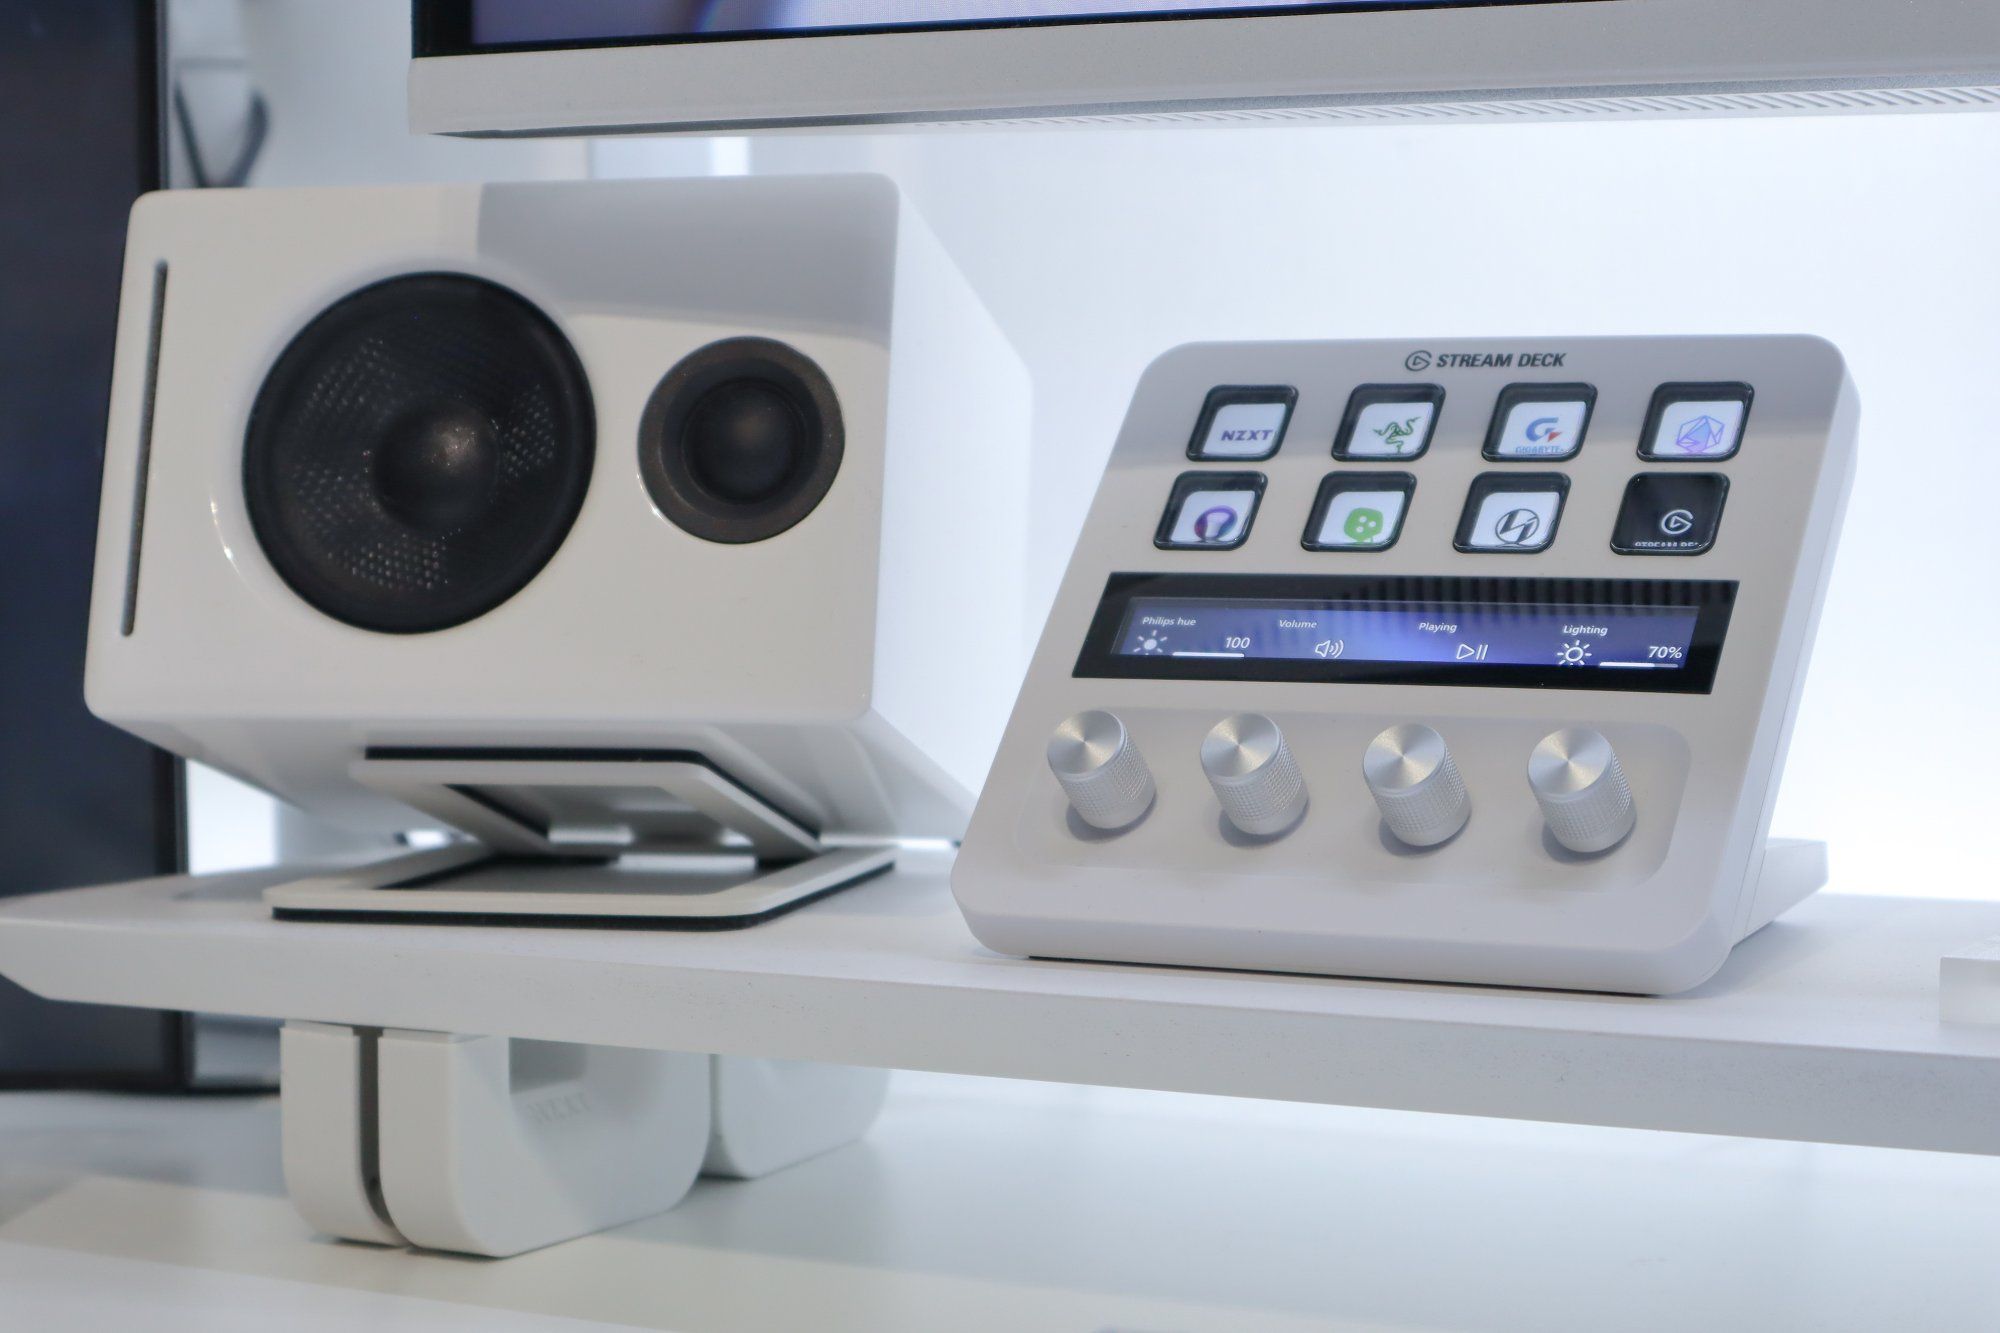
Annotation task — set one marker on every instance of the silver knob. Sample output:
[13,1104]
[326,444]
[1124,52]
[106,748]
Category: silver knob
[1254,774]
[1105,776]
[1582,790]
[1416,784]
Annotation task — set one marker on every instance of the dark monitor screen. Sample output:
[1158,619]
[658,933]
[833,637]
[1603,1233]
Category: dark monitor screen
[460,27]
[80,802]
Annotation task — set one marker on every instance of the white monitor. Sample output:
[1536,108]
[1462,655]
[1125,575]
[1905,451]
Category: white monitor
[597,66]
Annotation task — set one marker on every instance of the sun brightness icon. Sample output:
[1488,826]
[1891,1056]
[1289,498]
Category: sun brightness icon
[1573,653]
[1151,644]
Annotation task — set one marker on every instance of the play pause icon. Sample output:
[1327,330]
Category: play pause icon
[1471,652]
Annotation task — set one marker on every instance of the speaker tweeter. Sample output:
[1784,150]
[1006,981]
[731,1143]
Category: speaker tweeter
[741,440]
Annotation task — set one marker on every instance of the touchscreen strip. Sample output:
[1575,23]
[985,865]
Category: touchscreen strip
[1662,636]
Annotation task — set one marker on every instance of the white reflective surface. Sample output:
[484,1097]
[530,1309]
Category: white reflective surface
[981,1205]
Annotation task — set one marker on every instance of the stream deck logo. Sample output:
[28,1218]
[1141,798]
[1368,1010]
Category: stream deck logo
[1422,360]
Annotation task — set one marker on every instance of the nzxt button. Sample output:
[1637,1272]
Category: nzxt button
[1210,511]
[1670,513]
[1242,424]
[1515,512]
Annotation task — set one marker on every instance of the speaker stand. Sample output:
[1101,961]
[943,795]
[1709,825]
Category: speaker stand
[469,884]
[641,839]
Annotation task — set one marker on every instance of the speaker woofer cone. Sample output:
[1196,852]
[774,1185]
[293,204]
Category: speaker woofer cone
[741,440]
[418,452]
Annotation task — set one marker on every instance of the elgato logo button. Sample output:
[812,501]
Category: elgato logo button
[1670,513]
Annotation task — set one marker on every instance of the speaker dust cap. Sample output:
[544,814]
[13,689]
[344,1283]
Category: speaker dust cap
[419,452]
[741,440]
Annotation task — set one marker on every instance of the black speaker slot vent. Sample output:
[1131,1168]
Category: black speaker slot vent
[142,468]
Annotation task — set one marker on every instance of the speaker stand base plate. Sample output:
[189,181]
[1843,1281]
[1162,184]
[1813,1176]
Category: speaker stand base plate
[466,884]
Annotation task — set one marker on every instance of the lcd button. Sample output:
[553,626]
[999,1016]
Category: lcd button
[1514,513]
[1540,422]
[1210,511]
[1670,513]
[1242,424]
[1695,423]
[1389,421]
[1359,511]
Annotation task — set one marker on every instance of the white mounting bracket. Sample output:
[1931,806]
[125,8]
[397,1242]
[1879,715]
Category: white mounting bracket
[495,1146]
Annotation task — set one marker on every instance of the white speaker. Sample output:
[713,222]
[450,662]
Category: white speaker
[416,497]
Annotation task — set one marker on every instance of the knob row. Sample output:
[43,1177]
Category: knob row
[1574,774]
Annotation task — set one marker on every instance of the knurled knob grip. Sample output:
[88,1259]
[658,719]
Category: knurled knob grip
[1254,774]
[1101,770]
[1416,784]
[1581,788]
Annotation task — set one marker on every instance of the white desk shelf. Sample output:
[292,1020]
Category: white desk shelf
[1824,1027]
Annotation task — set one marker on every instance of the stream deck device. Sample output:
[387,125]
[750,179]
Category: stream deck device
[1469,661]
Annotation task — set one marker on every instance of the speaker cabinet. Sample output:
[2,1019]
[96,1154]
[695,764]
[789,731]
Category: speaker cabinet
[731,470]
